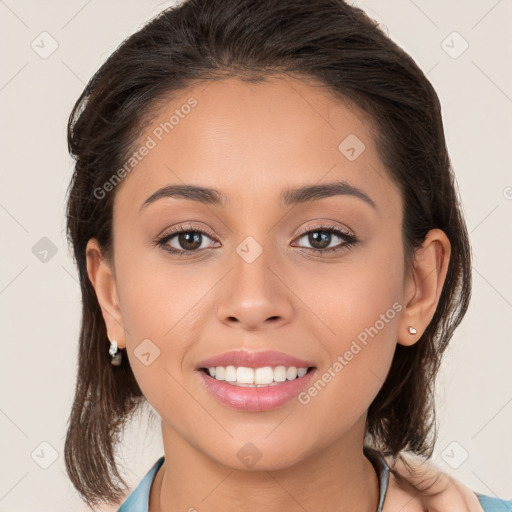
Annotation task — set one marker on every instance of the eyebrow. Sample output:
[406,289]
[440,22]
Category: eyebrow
[315,192]
[293,196]
[191,192]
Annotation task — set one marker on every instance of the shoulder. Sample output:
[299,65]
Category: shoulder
[138,500]
[401,496]
[490,504]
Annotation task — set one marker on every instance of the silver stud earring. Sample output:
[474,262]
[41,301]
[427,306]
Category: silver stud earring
[117,357]
[412,330]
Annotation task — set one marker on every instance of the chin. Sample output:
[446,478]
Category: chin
[259,456]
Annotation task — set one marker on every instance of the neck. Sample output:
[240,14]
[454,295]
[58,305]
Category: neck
[337,478]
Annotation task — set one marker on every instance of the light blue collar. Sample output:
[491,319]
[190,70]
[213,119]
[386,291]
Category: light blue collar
[138,500]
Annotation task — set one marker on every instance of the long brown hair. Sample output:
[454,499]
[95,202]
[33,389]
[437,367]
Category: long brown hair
[328,41]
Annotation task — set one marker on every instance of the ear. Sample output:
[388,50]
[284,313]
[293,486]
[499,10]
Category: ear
[102,276]
[423,286]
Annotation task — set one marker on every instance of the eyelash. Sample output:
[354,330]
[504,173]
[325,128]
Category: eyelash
[349,240]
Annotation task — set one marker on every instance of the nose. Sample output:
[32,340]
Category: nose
[254,295]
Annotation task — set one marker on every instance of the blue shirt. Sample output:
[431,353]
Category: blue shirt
[138,500]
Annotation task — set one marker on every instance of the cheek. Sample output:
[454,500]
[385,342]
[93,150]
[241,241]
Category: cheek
[163,309]
[158,298]
[360,355]
[359,307]
[360,292]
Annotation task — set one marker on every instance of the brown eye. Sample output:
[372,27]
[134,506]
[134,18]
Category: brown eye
[321,238]
[184,240]
[189,240]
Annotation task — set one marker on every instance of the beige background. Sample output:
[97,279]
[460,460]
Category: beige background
[40,301]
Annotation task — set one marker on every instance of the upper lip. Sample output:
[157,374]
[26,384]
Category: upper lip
[257,359]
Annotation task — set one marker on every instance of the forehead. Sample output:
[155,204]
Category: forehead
[254,139]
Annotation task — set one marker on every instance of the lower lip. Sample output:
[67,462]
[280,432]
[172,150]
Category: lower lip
[256,399]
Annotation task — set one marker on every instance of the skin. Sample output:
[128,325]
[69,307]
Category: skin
[442,492]
[251,141]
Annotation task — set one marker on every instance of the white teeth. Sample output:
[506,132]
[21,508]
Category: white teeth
[230,374]
[302,371]
[220,373]
[263,376]
[245,375]
[280,373]
[256,377]
[291,373]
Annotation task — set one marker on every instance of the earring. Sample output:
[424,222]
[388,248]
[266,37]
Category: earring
[412,330]
[116,356]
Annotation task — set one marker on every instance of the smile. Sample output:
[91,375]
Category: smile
[255,377]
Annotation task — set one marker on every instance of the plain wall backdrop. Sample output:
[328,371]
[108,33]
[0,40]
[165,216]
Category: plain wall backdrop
[50,49]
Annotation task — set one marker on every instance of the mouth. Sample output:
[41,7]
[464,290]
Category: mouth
[256,389]
[260,377]
[255,381]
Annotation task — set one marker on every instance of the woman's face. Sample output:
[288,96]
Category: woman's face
[252,279]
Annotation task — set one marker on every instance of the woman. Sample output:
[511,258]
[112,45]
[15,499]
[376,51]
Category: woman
[266,228]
